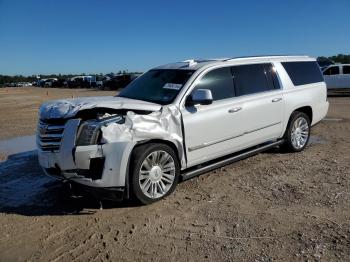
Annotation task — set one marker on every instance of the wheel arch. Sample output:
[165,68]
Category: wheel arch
[288,145]
[169,143]
[130,181]
[304,109]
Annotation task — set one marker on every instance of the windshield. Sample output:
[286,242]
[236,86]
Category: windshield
[159,86]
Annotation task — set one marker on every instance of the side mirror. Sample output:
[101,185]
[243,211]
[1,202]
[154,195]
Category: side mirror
[200,96]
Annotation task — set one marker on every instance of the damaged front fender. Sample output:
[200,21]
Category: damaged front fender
[164,124]
[115,146]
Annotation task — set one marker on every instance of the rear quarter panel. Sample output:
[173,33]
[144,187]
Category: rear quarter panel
[313,95]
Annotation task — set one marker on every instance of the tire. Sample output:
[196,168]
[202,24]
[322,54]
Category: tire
[298,132]
[148,181]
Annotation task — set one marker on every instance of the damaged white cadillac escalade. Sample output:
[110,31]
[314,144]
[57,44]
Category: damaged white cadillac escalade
[179,120]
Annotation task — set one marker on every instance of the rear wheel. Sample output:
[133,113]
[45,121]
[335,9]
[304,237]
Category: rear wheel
[154,172]
[298,132]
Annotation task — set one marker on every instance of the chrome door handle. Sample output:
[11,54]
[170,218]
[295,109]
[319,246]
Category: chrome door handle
[234,110]
[276,100]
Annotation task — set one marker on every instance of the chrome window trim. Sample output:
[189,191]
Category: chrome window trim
[192,83]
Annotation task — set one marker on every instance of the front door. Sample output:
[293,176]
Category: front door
[332,77]
[208,128]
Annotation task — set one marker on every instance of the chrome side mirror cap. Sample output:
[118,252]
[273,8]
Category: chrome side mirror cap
[200,96]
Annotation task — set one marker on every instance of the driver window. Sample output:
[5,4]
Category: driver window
[219,82]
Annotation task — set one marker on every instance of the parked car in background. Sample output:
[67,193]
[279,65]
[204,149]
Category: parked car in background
[58,83]
[179,120]
[81,82]
[337,76]
[75,82]
[119,81]
[41,82]
[50,82]
[99,81]
[90,81]
[24,84]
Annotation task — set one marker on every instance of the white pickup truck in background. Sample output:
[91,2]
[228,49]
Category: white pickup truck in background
[337,76]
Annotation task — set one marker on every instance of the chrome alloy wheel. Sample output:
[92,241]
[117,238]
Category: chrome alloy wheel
[300,133]
[157,174]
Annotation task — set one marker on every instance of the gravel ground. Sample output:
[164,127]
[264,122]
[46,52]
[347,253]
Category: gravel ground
[271,207]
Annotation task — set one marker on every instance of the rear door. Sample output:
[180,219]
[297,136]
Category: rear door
[258,91]
[345,77]
[332,77]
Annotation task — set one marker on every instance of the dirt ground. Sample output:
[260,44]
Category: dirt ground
[271,207]
[19,106]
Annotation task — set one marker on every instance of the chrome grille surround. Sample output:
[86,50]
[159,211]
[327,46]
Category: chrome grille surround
[49,135]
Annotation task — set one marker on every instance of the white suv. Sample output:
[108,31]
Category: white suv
[179,120]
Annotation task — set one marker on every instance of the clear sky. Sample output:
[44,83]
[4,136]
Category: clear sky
[73,36]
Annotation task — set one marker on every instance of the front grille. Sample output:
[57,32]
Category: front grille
[50,135]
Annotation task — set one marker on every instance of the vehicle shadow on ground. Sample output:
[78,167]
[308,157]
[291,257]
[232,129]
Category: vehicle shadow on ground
[313,140]
[26,190]
[339,94]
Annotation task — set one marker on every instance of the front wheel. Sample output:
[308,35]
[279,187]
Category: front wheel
[298,132]
[154,172]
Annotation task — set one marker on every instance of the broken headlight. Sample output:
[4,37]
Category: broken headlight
[89,132]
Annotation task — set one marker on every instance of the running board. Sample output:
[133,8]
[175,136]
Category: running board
[214,164]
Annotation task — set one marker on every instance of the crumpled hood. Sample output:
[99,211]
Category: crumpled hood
[67,108]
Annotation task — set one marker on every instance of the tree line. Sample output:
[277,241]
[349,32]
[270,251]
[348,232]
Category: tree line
[340,58]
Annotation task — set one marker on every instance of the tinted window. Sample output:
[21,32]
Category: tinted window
[271,75]
[158,86]
[334,70]
[219,82]
[302,73]
[250,79]
[346,69]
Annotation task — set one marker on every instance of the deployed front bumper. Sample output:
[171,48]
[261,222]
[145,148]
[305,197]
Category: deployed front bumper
[102,193]
[99,168]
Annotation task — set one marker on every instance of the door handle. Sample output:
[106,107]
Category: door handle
[234,110]
[276,99]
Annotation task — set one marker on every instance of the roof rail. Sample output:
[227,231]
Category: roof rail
[259,56]
[194,62]
[191,62]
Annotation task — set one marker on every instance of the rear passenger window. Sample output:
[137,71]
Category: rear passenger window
[219,82]
[302,73]
[250,79]
[346,69]
[334,70]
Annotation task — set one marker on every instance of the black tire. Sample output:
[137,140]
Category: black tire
[140,153]
[288,145]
